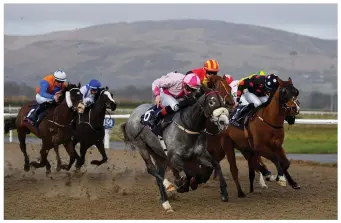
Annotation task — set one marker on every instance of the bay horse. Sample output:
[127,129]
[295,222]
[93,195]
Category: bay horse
[264,135]
[54,128]
[89,129]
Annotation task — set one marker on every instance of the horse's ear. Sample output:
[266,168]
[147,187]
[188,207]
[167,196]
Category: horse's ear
[79,84]
[106,88]
[290,80]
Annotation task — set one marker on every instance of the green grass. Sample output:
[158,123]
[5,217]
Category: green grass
[324,116]
[311,139]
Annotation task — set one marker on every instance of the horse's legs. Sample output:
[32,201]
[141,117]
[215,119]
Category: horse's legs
[59,162]
[286,166]
[72,153]
[80,162]
[280,175]
[178,164]
[231,157]
[43,159]
[100,145]
[223,185]
[158,173]
[22,140]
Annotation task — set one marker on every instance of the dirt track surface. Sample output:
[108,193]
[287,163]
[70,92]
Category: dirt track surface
[122,189]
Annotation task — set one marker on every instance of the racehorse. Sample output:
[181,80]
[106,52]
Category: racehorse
[182,138]
[263,135]
[212,133]
[89,129]
[54,128]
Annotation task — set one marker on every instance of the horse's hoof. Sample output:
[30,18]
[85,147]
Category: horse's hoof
[96,162]
[282,181]
[58,169]
[168,208]
[27,167]
[64,167]
[264,186]
[182,189]
[193,183]
[48,173]
[241,194]
[224,198]
[296,186]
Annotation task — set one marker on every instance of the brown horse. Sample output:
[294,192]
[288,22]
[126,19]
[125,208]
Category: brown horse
[54,129]
[263,135]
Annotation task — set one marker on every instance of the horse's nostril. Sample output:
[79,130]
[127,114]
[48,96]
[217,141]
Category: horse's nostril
[221,122]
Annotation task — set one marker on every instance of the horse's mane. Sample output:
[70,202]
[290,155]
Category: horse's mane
[213,79]
[68,88]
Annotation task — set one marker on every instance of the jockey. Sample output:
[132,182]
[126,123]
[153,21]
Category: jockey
[47,93]
[211,67]
[89,91]
[170,88]
[256,89]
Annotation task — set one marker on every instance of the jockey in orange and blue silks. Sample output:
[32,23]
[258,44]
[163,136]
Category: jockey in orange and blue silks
[47,91]
[89,91]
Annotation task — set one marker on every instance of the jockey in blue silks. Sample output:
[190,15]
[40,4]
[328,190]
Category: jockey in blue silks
[89,91]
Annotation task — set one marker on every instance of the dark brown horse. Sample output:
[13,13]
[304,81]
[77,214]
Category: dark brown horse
[263,135]
[54,128]
[89,129]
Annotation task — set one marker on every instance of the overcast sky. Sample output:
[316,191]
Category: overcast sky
[318,20]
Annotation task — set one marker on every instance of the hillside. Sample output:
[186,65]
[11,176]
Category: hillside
[127,54]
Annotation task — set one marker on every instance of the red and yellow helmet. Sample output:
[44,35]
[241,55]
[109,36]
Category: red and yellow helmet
[211,66]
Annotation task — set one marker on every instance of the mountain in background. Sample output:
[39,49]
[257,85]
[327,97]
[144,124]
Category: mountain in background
[134,54]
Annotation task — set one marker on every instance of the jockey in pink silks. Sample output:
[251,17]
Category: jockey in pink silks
[170,89]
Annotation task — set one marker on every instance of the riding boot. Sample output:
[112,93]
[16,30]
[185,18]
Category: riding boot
[250,108]
[156,127]
[246,110]
[31,118]
[38,112]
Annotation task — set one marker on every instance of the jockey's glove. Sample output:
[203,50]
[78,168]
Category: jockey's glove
[187,101]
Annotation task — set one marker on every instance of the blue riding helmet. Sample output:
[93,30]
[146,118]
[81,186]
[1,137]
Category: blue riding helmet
[94,84]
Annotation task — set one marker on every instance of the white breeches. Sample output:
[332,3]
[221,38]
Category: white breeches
[169,100]
[252,98]
[42,100]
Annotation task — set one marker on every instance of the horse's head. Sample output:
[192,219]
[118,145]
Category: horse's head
[219,83]
[107,97]
[287,96]
[74,98]
[213,106]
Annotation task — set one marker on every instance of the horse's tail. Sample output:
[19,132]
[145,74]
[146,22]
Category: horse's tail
[123,129]
[10,124]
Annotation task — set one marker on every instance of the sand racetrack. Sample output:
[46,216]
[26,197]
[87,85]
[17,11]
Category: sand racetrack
[122,189]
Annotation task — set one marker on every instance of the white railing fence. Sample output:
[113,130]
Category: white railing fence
[126,116]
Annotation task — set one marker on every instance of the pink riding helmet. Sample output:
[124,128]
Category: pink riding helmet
[192,81]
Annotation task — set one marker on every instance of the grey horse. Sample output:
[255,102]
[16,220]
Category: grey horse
[183,139]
